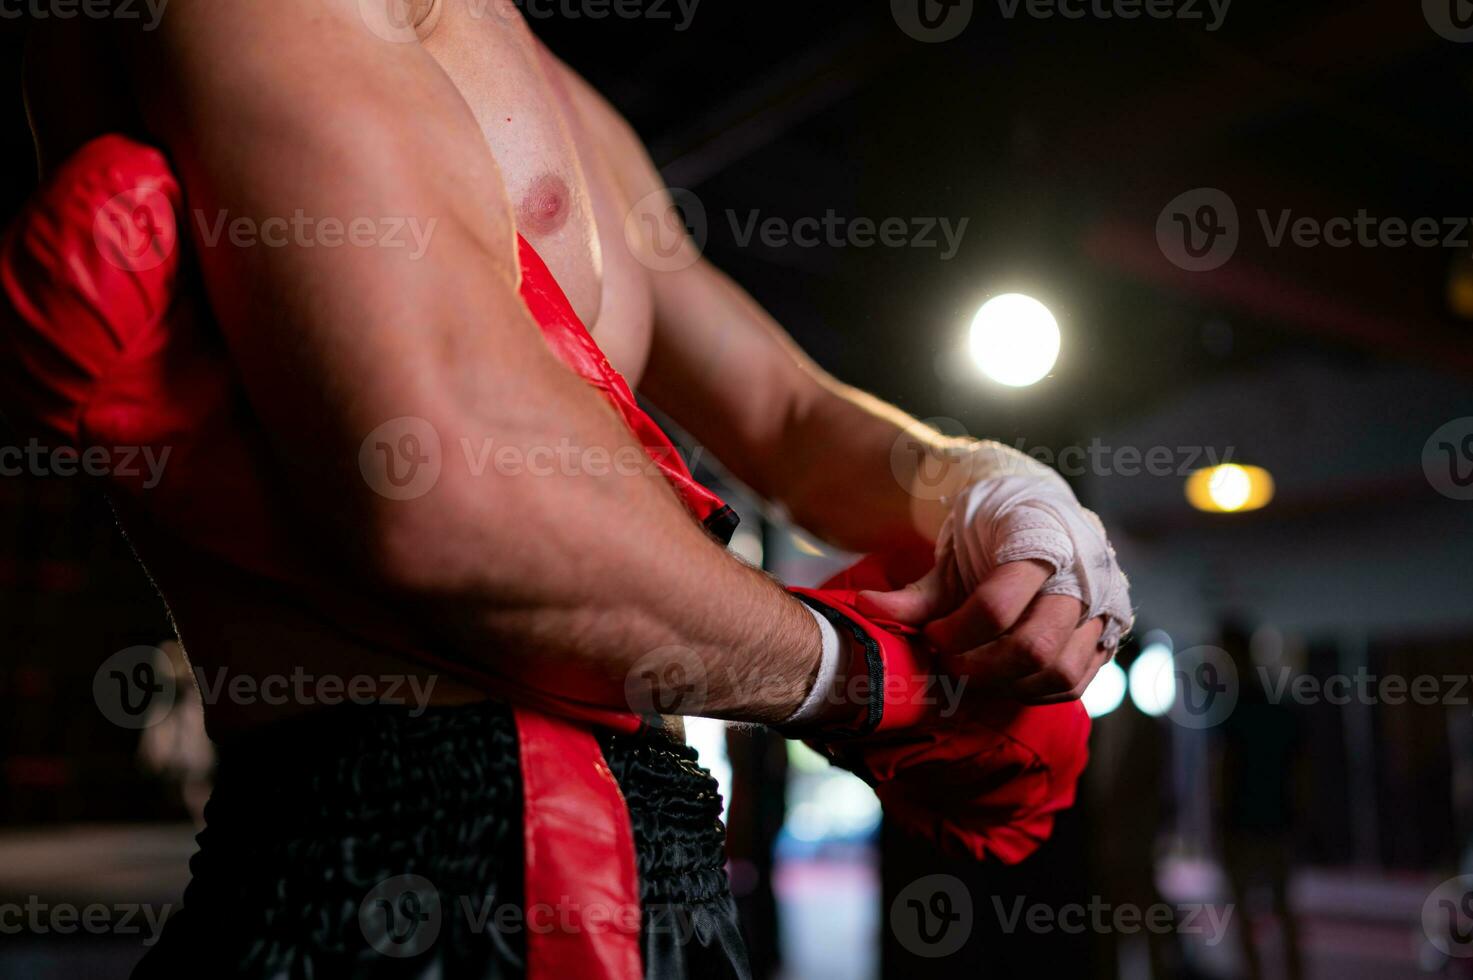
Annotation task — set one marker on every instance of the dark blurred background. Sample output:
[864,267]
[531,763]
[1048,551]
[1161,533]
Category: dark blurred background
[1294,831]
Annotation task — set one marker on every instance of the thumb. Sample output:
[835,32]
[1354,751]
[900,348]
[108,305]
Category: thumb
[919,602]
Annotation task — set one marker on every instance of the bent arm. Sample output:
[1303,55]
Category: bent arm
[731,376]
[565,580]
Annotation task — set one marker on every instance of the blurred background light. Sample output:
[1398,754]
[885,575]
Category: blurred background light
[1106,691]
[1460,287]
[1230,489]
[1152,680]
[1158,638]
[1014,340]
[708,737]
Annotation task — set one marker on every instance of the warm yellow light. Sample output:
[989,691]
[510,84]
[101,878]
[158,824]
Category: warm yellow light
[1230,489]
[1460,295]
[1014,340]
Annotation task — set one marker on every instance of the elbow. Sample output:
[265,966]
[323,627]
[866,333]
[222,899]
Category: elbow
[490,538]
[432,542]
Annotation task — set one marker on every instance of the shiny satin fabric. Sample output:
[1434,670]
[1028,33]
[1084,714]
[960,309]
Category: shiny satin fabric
[380,842]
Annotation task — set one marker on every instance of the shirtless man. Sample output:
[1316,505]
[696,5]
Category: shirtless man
[450,110]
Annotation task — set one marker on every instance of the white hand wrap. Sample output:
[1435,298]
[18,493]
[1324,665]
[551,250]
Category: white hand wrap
[1016,509]
[828,672]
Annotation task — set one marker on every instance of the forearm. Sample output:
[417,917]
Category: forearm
[578,580]
[888,470]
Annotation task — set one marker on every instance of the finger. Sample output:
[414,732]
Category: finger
[1031,648]
[993,608]
[919,602]
[1080,661]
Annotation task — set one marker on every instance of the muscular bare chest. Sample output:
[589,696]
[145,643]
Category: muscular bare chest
[559,194]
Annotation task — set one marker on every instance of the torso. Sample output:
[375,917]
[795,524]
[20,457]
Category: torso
[562,193]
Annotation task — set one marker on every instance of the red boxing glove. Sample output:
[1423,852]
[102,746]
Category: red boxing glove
[985,779]
[95,253]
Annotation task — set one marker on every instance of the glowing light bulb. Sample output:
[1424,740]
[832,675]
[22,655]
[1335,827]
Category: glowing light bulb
[1230,488]
[1105,692]
[1153,680]
[1014,340]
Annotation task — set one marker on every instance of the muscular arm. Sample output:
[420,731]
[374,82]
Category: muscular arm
[296,105]
[864,475]
[727,372]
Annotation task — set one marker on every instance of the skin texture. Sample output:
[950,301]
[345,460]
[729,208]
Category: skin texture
[583,576]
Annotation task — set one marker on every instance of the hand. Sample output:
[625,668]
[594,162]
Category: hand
[1026,597]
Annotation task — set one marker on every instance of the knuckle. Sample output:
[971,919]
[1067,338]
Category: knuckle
[992,610]
[1037,652]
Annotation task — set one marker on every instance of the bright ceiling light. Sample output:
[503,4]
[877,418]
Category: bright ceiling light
[1153,680]
[1105,692]
[1230,489]
[1014,340]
